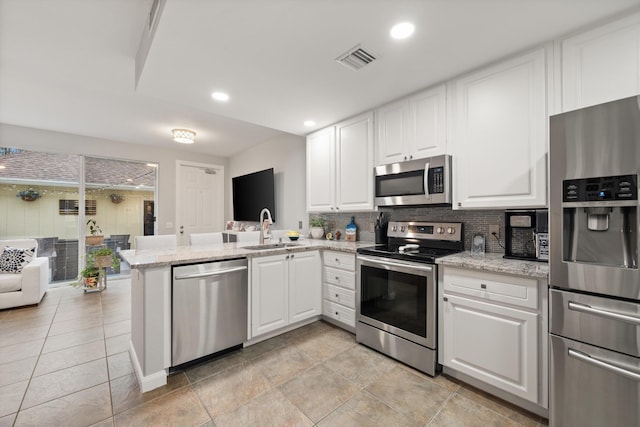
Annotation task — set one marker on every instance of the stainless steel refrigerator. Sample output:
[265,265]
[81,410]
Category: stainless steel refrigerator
[594,299]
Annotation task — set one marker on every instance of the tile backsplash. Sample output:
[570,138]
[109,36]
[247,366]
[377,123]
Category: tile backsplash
[475,222]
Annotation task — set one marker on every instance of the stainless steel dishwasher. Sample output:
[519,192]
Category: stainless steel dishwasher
[209,308]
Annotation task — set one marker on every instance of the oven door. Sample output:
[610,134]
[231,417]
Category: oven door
[398,297]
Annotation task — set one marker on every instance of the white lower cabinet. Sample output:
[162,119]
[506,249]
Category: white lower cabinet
[339,288]
[493,343]
[494,330]
[284,289]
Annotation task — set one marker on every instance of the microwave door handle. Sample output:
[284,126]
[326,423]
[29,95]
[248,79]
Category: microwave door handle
[426,179]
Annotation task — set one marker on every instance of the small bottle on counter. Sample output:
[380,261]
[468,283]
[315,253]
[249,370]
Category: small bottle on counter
[350,231]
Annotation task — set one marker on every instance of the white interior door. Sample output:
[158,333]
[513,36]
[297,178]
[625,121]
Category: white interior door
[200,197]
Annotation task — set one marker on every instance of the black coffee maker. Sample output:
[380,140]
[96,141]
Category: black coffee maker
[526,234]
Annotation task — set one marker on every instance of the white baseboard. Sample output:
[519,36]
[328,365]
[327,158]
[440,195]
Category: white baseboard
[148,382]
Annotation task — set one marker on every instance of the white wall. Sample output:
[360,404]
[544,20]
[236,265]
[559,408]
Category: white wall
[286,154]
[57,142]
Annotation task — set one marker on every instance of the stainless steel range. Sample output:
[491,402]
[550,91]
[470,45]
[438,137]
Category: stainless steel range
[396,308]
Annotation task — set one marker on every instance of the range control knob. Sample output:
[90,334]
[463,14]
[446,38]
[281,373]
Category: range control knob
[440,230]
[402,229]
[394,228]
[451,230]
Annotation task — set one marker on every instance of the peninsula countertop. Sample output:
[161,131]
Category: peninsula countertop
[494,262]
[193,254]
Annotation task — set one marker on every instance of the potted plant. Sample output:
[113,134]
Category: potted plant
[28,195]
[116,198]
[90,275]
[95,233]
[104,257]
[317,227]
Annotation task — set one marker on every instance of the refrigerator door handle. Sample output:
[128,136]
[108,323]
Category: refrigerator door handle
[604,365]
[584,308]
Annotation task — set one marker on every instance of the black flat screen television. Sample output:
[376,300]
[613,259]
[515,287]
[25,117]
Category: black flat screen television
[252,193]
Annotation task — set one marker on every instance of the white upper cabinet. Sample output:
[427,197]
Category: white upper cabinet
[321,170]
[413,127]
[340,167]
[354,164]
[499,144]
[601,65]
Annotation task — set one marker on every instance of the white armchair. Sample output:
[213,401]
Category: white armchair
[29,286]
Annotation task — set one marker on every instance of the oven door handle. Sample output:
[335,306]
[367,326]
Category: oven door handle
[584,308]
[587,358]
[395,264]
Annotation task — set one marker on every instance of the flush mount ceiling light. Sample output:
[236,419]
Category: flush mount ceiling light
[309,123]
[220,96]
[402,30]
[184,136]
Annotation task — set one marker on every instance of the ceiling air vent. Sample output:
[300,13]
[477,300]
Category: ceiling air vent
[356,58]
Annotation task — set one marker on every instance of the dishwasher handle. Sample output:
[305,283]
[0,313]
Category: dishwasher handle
[210,273]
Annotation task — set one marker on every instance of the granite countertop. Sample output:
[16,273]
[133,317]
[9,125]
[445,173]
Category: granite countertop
[193,254]
[494,262]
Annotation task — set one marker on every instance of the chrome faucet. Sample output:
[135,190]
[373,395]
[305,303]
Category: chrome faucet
[265,223]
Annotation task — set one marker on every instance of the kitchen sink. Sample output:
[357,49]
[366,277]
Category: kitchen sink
[271,246]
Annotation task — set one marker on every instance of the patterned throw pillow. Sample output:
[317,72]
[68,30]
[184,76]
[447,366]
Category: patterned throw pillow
[13,260]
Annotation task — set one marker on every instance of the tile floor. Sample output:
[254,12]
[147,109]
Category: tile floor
[65,363]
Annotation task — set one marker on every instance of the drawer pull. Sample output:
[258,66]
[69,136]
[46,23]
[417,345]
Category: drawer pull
[337,313]
[338,278]
[337,296]
[483,286]
[337,260]
[584,308]
[587,358]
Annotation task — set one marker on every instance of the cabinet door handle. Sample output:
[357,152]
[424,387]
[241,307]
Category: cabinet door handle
[292,256]
[445,299]
[336,313]
[337,295]
[337,278]
[287,257]
[337,260]
[483,286]
[411,157]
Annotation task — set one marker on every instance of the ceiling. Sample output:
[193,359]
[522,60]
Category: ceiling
[69,65]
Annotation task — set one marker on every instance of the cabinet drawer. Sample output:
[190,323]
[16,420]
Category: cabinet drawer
[340,295]
[339,312]
[340,260]
[514,290]
[346,279]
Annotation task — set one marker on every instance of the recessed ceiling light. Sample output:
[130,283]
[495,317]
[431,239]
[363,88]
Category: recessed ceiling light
[402,30]
[129,180]
[309,123]
[220,96]
[2,166]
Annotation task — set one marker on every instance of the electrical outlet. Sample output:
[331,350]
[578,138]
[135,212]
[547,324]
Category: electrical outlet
[495,229]
[300,225]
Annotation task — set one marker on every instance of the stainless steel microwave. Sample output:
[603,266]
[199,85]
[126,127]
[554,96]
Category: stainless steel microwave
[416,182]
